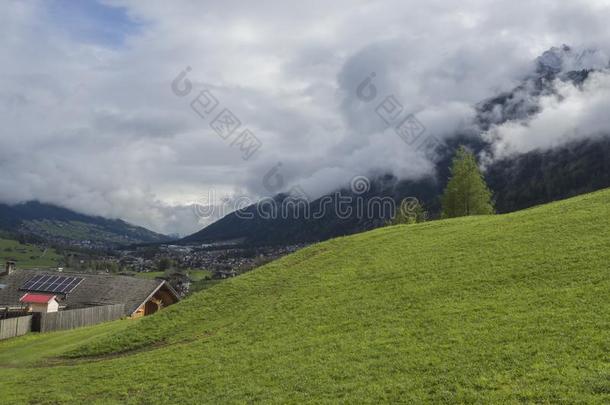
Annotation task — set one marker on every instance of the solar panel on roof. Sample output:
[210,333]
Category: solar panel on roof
[52,284]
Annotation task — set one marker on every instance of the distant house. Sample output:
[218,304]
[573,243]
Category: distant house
[44,303]
[23,290]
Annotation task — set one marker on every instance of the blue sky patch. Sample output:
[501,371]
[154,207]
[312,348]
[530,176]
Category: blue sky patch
[92,21]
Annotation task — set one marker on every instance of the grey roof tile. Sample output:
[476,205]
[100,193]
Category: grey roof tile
[96,289]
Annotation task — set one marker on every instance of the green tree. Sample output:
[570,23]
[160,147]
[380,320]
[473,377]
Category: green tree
[411,211]
[164,264]
[466,192]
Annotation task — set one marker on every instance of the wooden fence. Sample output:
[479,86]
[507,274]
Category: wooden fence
[76,318]
[12,327]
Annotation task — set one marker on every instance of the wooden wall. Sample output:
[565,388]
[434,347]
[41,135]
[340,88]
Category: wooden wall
[12,327]
[76,318]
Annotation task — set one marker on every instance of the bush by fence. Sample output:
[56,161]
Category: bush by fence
[12,327]
[76,318]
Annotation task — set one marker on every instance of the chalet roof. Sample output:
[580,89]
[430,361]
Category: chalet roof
[31,298]
[95,289]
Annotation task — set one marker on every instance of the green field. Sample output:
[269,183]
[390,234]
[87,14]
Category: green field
[195,275]
[27,256]
[35,347]
[151,275]
[108,232]
[200,275]
[500,309]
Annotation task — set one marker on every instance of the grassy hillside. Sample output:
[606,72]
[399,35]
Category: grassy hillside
[80,231]
[27,256]
[503,309]
[30,349]
[63,226]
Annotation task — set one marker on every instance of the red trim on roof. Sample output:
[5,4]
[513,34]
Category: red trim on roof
[30,298]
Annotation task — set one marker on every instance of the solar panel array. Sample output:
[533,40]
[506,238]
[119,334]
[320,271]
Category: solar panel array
[52,284]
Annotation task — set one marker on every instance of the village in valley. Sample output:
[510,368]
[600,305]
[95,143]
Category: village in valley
[220,261]
[185,267]
[58,288]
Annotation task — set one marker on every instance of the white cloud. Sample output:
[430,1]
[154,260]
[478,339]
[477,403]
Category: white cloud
[96,128]
[570,114]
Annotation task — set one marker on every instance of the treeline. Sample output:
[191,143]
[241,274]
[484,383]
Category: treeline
[466,193]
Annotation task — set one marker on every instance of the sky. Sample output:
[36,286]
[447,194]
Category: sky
[140,109]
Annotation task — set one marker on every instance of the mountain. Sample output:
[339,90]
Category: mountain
[541,176]
[28,256]
[487,309]
[52,224]
[518,181]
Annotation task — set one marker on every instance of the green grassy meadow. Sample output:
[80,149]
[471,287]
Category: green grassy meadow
[27,256]
[151,275]
[35,347]
[195,275]
[493,309]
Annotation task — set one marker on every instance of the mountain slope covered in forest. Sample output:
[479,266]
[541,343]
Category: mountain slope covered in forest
[47,223]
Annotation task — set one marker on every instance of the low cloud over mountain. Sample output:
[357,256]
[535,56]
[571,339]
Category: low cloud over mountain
[91,121]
